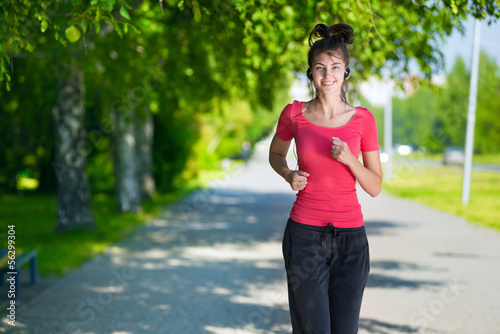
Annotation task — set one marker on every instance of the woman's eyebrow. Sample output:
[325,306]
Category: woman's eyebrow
[336,63]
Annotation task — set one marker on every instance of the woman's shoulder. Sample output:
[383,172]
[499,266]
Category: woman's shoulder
[297,103]
[362,110]
[294,108]
[364,113]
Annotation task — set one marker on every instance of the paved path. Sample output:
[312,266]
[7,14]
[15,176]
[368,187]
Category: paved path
[213,264]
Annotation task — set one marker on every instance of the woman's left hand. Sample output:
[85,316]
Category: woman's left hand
[341,151]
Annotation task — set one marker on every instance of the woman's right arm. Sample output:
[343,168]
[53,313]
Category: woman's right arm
[277,159]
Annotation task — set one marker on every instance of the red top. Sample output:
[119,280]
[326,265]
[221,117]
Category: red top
[330,194]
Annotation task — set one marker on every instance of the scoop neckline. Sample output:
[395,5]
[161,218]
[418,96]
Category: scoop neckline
[328,127]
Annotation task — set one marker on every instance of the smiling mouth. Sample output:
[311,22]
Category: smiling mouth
[328,83]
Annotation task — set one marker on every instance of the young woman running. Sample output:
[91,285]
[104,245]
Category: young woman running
[325,245]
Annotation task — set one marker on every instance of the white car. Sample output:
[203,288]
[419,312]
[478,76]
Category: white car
[453,155]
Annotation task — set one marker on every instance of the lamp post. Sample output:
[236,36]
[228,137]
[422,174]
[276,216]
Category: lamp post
[471,114]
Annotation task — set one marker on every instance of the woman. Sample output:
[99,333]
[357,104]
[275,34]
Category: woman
[325,246]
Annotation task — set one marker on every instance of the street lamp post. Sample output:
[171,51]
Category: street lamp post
[471,114]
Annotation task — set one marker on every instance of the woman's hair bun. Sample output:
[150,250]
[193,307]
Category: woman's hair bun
[341,32]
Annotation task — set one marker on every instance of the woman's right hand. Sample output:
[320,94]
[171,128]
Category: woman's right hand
[297,179]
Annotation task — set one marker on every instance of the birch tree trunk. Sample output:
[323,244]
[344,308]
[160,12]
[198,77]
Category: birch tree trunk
[144,135]
[125,163]
[73,196]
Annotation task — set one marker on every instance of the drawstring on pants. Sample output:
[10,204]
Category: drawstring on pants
[335,232]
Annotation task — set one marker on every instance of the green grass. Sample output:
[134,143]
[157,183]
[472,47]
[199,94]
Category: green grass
[34,218]
[441,188]
[486,159]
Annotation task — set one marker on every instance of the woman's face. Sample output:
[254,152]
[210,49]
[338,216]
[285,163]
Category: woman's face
[328,74]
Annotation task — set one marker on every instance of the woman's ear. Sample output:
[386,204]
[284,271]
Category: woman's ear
[347,73]
[309,74]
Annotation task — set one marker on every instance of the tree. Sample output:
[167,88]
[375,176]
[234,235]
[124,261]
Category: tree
[487,134]
[73,200]
[67,21]
[413,118]
[451,113]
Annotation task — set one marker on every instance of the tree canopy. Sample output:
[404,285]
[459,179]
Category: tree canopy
[388,33]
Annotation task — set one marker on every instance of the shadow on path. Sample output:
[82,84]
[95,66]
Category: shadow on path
[379,327]
[215,267]
[209,264]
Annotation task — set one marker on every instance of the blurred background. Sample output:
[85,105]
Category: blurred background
[110,110]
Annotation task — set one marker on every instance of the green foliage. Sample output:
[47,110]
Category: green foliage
[435,117]
[487,133]
[174,138]
[450,115]
[26,126]
[72,34]
[29,27]
[413,119]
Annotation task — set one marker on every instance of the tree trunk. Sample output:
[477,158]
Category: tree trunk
[73,197]
[144,135]
[125,163]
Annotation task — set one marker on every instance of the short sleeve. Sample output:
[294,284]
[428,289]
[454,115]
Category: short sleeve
[283,129]
[369,133]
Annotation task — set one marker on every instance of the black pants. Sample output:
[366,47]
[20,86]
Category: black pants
[327,269]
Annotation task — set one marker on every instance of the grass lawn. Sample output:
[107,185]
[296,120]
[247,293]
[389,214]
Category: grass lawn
[441,188]
[58,253]
[486,159]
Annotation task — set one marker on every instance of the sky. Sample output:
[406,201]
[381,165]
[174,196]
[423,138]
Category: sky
[458,45]
[454,46]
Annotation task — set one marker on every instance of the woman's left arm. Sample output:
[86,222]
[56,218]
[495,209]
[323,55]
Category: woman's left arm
[368,173]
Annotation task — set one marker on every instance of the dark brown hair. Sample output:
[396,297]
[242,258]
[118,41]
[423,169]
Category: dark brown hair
[333,41]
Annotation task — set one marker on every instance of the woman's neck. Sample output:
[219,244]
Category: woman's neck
[330,105]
